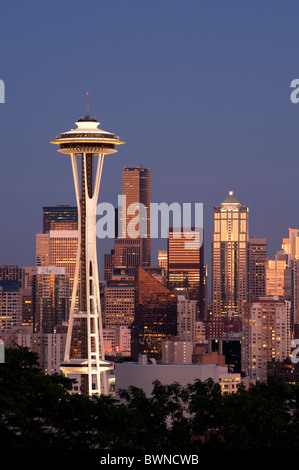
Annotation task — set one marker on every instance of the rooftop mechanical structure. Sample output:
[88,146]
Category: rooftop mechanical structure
[87,145]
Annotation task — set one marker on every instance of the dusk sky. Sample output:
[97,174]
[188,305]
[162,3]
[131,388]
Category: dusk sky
[198,90]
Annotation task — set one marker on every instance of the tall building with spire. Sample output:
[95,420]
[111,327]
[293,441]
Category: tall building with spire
[87,146]
[230,258]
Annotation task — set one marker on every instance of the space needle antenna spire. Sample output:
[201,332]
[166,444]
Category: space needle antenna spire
[87,105]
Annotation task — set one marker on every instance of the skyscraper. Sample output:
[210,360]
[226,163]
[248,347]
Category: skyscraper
[119,302]
[87,145]
[163,259]
[155,316]
[275,274]
[62,217]
[11,272]
[257,268]
[10,304]
[186,319]
[128,252]
[186,265]
[50,292]
[266,336]
[136,191]
[59,248]
[291,245]
[229,258]
[108,265]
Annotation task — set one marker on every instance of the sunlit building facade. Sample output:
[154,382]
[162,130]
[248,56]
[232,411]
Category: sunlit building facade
[136,189]
[163,259]
[51,296]
[291,245]
[186,270]
[275,274]
[187,314]
[58,248]
[266,336]
[119,303]
[62,217]
[230,258]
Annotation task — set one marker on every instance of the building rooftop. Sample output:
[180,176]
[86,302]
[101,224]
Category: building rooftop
[230,199]
[10,286]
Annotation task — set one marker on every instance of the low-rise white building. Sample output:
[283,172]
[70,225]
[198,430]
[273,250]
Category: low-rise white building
[142,374]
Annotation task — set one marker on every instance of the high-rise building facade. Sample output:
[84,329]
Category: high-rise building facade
[230,258]
[11,272]
[291,291]
[186,265]
[51,297]
[291,245]
[257,268]
[135,212]
[10,305]
[163,259]
[155,316]
[275,274]
[48,346]
[119,303]
[60,217]
[108,265]
[128,252]
[175,351]
[27,300]
[187,313]
[59,248]
[266,336]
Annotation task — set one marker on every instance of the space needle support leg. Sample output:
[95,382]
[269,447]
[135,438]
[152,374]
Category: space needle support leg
[98,320]
[77,268]
[94,320]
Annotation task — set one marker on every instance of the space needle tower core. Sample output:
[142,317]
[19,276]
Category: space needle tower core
[87,145]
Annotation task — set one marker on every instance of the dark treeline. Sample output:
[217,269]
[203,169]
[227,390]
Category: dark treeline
[38,412]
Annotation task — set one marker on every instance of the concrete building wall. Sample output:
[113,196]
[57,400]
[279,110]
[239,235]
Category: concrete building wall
[143,375]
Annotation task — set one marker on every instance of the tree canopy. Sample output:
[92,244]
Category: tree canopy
[37,411]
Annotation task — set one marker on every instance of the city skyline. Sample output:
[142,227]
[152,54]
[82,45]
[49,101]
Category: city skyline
[224,79]
[149,292]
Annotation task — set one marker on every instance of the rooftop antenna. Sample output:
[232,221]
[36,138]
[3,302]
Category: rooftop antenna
[87,115]
[87,105]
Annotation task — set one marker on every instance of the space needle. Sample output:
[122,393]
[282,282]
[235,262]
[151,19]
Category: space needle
[87,145]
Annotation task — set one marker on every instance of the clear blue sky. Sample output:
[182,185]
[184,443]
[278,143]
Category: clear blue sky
[199,90]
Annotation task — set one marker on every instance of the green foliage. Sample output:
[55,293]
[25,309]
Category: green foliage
[38,412]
